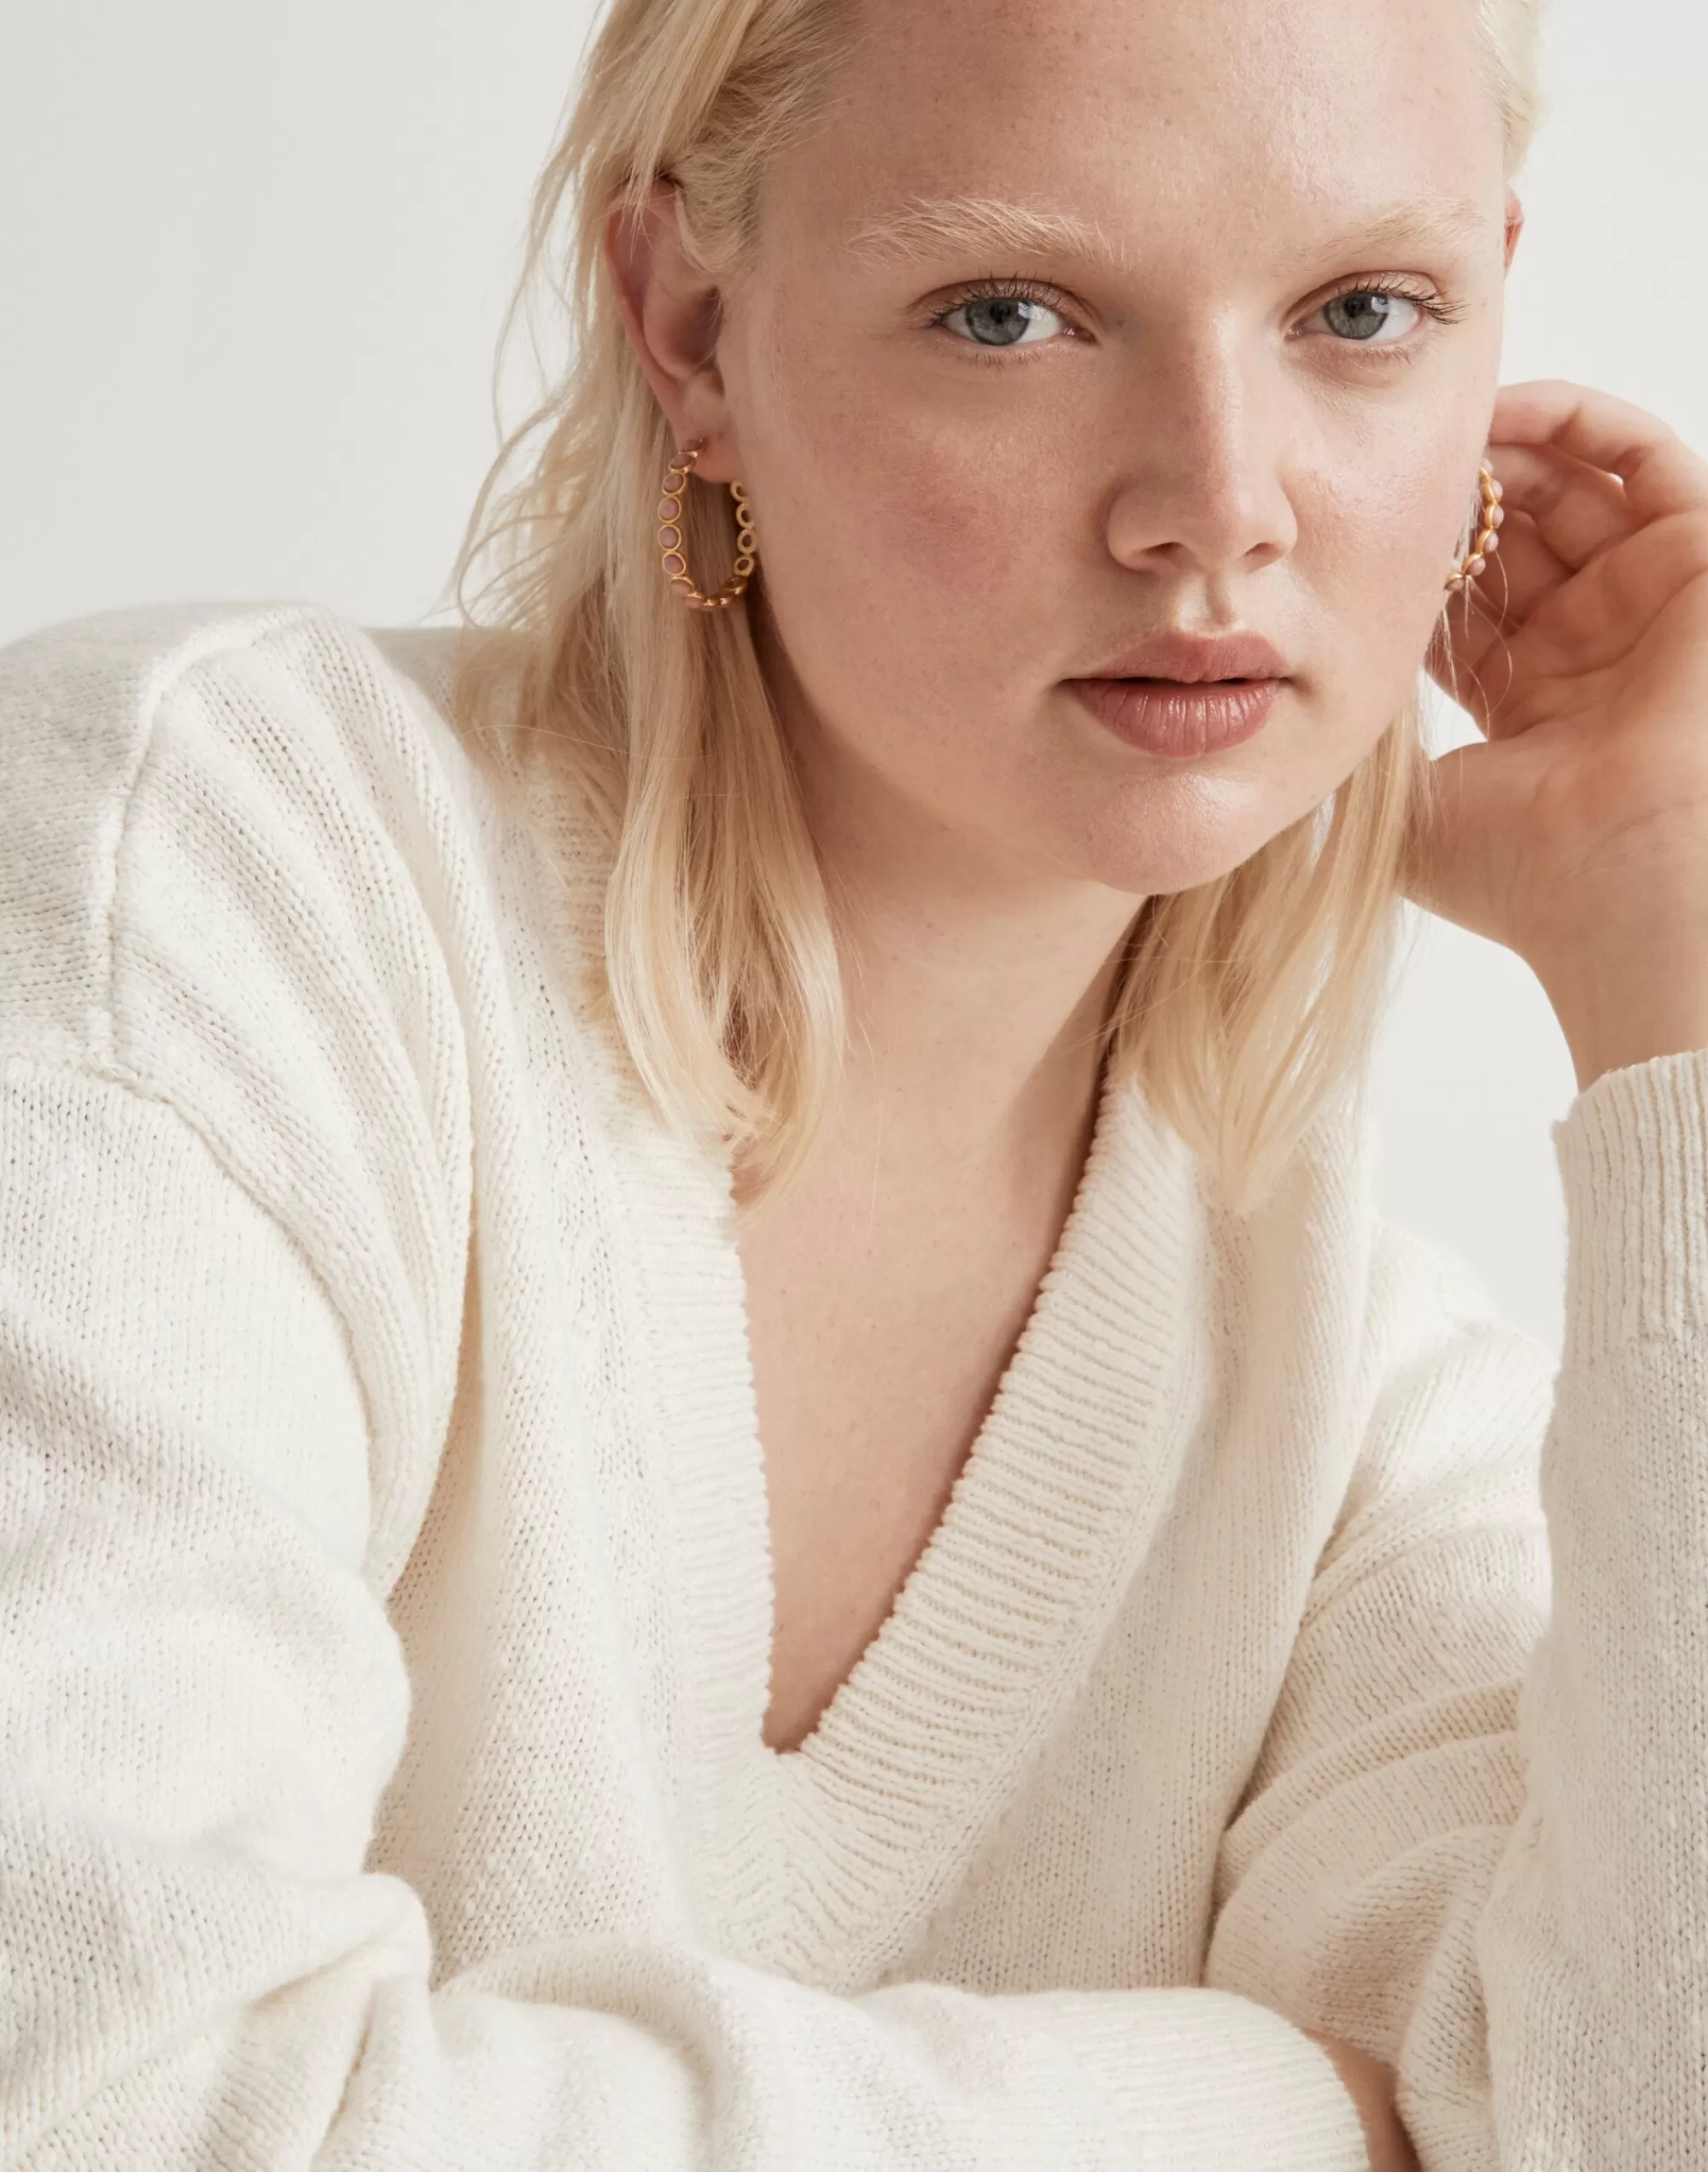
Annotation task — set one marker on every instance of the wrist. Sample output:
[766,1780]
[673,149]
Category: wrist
[1628,1012]
[1619,1046]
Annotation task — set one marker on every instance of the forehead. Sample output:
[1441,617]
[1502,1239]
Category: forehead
[1190,117]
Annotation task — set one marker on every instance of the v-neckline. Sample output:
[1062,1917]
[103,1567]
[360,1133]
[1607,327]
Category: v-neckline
[815,1861]
[810,1860]
[899,1625]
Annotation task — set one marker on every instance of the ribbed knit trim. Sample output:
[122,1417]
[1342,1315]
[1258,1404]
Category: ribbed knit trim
[923,1744]
[702,1381]
[825,1855]
[1633,1152]
[816,1861]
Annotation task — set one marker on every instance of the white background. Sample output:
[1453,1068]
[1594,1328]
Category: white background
[252,261]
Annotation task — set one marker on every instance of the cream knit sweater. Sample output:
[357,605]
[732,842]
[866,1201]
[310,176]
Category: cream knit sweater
[385,1593]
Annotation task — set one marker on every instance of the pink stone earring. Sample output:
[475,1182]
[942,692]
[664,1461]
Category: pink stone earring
[1493,514]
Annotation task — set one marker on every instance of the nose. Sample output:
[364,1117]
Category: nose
[1204,490]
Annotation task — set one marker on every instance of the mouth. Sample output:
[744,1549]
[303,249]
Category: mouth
[1169,717]
[1182,695]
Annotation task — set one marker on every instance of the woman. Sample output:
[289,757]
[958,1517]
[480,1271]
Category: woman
[460,1100]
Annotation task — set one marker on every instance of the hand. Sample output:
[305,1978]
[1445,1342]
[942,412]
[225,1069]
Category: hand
[1576,833]
[1371,2087]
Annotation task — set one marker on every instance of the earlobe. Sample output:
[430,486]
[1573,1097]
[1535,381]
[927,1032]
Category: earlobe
[670,312]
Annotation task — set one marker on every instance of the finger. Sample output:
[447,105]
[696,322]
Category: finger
[1660,472]
[1618,600]
[1579,510]
[1606,611]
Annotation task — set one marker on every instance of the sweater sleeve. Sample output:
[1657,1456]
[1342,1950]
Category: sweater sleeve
[235,1216]
[1476,1840]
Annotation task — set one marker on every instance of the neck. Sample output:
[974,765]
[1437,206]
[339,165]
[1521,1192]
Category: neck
[976,993]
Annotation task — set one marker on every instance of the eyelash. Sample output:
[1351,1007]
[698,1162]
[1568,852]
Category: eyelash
[1432,305]
[1021,289]
[1009,289]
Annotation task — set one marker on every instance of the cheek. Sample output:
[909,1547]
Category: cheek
[925,544]
[1377,536]
[1375,548]
[904,532]
[1395,524]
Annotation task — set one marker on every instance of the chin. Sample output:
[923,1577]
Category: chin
[1205,831]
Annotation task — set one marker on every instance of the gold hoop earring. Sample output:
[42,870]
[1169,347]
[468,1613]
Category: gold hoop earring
[672,536]
[1492,515]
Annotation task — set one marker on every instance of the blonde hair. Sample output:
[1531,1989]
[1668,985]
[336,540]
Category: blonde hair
[1242,1004]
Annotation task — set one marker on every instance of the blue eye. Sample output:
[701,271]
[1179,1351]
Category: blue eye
[1374,319]
[1002,320]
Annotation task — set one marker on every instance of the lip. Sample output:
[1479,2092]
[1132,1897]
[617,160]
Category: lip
[1184,694]
[1191,659]
[1165,717]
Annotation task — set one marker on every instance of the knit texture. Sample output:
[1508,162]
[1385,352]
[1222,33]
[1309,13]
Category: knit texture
[385,1586]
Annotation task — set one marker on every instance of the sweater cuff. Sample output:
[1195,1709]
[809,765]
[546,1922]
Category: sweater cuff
[1208,2079]
[1633,1153]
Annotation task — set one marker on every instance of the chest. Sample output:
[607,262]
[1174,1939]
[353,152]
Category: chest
[589,1633]
[1026,1788]
[1077,1590]
[876,1355]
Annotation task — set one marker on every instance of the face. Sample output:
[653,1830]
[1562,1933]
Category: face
[1083,322]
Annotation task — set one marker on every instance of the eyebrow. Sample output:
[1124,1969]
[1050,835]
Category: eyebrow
[933,225]
[930,226]
[1449,224]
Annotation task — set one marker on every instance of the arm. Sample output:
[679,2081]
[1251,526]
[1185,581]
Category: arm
[1474,1845]
[1595,1944]
[1353,1872]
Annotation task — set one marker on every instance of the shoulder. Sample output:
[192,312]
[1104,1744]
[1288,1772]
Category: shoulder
[243,934]
[1415,1290]
[82,703]
[1456,1397]
[1399,1330]
[239,877]
[176,765]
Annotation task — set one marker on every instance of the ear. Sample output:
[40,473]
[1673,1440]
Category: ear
[1515,224]
[671,314]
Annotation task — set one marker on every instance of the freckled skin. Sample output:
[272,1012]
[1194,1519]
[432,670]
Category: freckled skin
[948,533]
